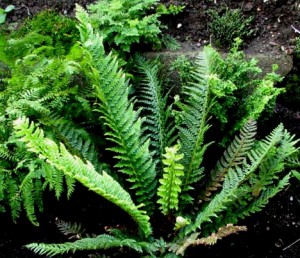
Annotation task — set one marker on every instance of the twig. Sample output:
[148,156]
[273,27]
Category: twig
[291,244]
[297,31]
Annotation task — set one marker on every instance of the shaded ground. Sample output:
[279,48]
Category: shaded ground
[272,233]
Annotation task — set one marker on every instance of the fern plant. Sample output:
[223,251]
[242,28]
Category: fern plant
[49,90]
[198,207]
[125,23]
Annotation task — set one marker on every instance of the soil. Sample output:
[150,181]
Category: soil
[273,232]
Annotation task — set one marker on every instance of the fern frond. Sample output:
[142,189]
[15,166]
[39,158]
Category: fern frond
[118,115]
[234,155]
[103,241]
[6,154]
[193,116]
[158,126]
[234,178]
[85,173]
[54,178]
[170,184]
[192,240]
[259,203]
[27,192]
[293,161]
[14,198]
[76,139]
[69,229]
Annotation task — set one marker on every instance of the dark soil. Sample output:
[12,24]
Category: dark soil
[272,233]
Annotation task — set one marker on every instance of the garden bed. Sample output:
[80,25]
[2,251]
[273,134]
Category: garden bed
[272,233]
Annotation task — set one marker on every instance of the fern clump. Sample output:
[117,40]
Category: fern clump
[125,23]
[226,25]
[75,109]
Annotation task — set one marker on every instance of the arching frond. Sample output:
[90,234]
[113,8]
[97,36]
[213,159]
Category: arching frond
[85,173]
[234,178]
[118,115]
[234,155]
[100,242]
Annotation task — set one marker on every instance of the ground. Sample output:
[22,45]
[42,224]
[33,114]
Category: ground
[272,233]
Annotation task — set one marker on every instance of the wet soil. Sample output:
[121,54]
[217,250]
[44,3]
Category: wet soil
[273,232]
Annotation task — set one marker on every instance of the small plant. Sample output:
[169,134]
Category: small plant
[47,28]
[227,25]
[3,13]
[184,67]
[171,9]
[124,23]
[297,48]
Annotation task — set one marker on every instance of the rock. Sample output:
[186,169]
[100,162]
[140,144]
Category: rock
[248,7]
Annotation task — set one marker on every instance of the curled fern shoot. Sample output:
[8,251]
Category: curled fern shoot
[85,173]
[170,184]
[118,114]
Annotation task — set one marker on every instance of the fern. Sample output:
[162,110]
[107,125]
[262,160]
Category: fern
[180,247]
[259,203]
[158,124]
[233,180]
[103,241]
[123,23]
[72,230]
[170,186]
[192,123]
[74,167]
[67,138]
[118,115]
[234,155]
[27,190]
[14,198]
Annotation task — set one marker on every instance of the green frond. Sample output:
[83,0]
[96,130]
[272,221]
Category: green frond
[76,139]
[234,178]
[85,173]
[118,115]
[293,161]
[170,184]
[27,193]
[158,126]
[234,155]
[14,198]
[258,154]
[54,178]
[103,241]
[259,203]
[192,123]
[5,153]
[272,166]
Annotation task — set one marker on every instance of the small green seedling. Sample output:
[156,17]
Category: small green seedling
[3,13]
